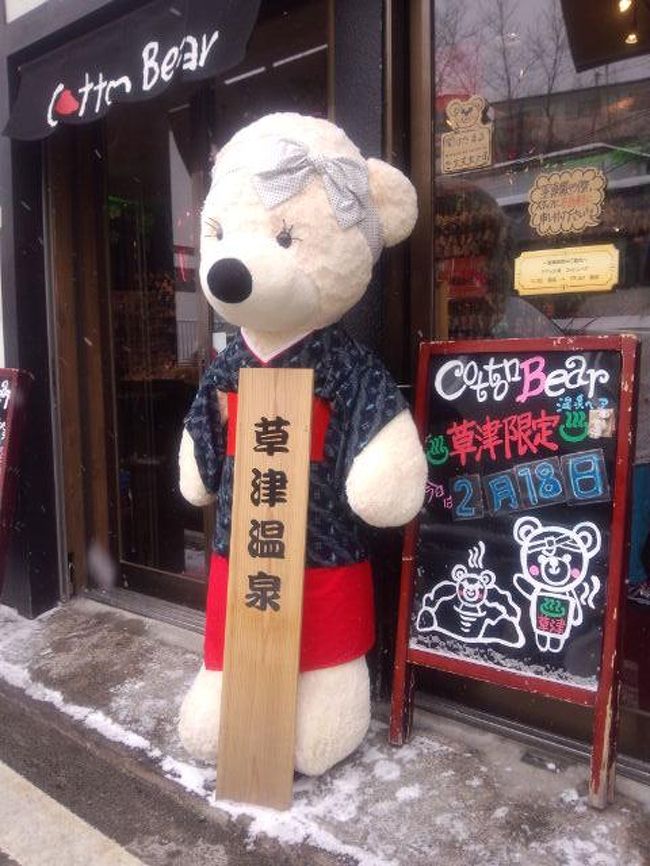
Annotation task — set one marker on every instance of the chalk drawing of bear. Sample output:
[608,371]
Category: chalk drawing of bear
[470,607]
[555,563]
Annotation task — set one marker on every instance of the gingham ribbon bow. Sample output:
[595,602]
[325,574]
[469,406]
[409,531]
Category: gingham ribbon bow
[291,166]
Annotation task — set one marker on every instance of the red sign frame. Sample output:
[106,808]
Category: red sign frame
[604,699]
[20,382]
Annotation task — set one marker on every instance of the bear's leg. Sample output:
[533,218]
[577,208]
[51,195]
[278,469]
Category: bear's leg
[198,726]
[333,715]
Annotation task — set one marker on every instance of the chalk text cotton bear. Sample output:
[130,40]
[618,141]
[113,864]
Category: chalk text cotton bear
[292,225]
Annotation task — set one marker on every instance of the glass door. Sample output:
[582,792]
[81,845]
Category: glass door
[155,305]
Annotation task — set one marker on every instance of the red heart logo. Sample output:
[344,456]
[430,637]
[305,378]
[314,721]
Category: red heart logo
[66,103]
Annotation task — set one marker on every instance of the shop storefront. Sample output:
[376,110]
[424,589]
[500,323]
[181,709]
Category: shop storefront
[113,123]
[526,130]
[541,144]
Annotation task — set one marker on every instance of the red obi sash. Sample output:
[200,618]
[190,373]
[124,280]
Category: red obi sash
[338,622]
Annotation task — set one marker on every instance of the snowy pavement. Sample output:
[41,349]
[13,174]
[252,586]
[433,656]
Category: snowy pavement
[454,795]
[55,835]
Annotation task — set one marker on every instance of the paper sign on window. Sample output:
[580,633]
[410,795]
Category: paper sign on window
[469,146]
[593,268]
[562,202]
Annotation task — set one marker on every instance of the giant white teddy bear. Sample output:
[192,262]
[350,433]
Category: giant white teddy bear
[292,225]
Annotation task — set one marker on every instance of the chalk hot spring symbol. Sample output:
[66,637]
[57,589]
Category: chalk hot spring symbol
[471,607]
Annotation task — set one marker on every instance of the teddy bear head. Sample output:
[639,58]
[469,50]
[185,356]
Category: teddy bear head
[553,556]
[472,587]
[465,113]
[294,220]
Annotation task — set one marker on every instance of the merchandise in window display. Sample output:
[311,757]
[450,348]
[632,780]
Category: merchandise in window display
[291,228]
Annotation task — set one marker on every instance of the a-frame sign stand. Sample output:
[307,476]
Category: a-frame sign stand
[603,698]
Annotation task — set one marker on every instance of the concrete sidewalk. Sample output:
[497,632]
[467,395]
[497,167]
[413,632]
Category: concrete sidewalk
[454,795]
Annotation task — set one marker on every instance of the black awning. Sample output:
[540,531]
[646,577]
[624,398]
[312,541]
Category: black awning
[133,58]
[597,31]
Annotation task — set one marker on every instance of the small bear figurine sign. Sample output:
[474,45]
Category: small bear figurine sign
[292,225]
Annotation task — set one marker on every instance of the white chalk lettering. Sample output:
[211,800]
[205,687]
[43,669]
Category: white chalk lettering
[494,378]
[5,393]
[491,379]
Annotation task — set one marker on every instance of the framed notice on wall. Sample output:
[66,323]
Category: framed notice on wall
[513,572]
[14,387]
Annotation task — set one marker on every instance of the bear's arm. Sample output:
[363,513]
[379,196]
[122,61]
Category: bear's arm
[523,584]
[202,448]
[385,484]
[190,483]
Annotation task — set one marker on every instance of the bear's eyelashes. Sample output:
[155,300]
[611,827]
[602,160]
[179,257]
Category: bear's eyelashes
[214,229]
[284,236]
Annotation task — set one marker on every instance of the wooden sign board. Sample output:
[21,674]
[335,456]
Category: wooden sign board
[514,571]
[14,388]
[255,762]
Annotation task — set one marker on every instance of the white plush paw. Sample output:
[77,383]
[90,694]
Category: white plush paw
[198,726]
[190,483]
[385,485]
[333,715]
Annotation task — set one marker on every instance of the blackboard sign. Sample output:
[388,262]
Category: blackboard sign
[14,387]
[514,569]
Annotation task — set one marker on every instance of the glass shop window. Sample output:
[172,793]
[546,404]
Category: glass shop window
[542,193]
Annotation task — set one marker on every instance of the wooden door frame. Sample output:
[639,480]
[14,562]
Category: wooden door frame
[80,337]
[410,305]
[422,288]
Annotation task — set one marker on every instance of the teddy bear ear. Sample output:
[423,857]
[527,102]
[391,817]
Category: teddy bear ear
[458,572]
[525,527]
[394,197]
[589,534]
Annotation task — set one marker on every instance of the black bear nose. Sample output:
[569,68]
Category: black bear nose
[230,281]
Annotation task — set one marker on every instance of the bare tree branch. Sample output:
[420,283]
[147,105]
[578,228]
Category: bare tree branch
[456,62]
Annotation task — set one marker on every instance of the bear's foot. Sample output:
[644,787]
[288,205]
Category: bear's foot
[198,726]
[333,715]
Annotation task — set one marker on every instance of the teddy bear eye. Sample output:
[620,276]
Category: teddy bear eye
[284,236]
[213,228]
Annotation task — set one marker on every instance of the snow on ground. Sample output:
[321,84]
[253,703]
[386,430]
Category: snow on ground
[453,796]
